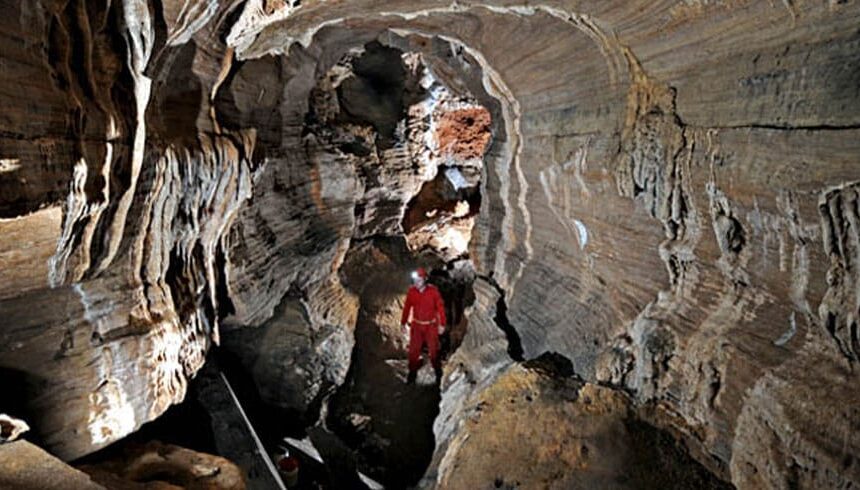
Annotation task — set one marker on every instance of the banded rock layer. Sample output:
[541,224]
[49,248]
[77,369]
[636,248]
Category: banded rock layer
[668,200]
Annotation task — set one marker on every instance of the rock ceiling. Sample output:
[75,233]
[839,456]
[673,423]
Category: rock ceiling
[669,200]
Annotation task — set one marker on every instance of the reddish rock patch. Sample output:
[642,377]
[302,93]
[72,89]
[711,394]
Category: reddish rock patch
[159,466]
[464,133]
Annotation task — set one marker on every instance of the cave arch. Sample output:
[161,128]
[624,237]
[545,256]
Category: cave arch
[672,171]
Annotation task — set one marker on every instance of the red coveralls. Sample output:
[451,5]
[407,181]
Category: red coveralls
[428,312]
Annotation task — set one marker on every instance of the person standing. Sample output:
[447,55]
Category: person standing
[424,314]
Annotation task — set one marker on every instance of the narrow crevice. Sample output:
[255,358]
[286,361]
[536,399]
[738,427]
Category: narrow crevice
[552,364]
[788,127]
[515,346]
[225,304]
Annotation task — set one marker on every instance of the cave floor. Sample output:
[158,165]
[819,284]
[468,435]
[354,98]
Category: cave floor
[388,423]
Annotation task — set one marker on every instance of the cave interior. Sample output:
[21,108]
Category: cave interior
[642,217]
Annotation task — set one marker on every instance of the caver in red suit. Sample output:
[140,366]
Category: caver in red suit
[427,310]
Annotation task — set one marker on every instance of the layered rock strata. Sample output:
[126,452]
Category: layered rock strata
[668,200]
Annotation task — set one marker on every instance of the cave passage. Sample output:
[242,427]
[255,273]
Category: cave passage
[390,424]
[416,149]
[643,217]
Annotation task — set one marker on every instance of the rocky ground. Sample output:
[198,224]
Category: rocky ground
[153,466]
[539,428]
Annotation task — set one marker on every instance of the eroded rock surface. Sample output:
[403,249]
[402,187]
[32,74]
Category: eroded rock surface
[667,198]
[27,466]
[530,429]
[164,466]
[292,364]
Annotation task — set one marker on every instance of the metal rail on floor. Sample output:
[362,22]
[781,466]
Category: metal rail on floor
[260,448]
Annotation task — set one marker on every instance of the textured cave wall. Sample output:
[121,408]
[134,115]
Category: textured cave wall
[200,204]
[114,300]
[662,214]
[669,200]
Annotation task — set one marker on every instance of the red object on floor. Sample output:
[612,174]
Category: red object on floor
[428,313]
[288,464]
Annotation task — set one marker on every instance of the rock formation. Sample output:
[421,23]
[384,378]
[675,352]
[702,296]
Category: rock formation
[665,194]
[25,465]
[152,466]
[157,465]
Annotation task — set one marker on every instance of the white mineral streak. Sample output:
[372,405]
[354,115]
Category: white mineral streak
[12,428]
[9,164]
[191,18]
[456,178]
[139,35]
[75,207]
